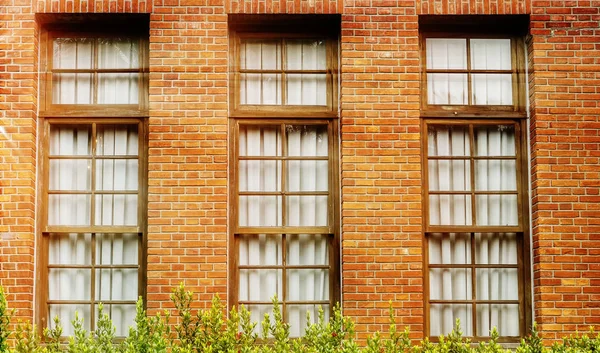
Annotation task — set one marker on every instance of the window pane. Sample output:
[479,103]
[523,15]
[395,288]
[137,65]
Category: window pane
[257,315]
[260,89]
[307,284]
[495,140]
[297,317]
[122,316]
[452,248]
[116,210]
[260,285]
[262,211]
[307,175]
[450,284]
[307,249]
[496,248]
[260,249]
[497,284]
[117,249]
[492,89]
[442,318]
[117,140]
[66,314]
[446,53]
[118,53]
[69,210]
[447,89]
[70,140]
[117,174]
[260,55]
[72,53]
[70,174]
[307,210]
[306,89]
[118,88]
[490,54]
[505,317]
[259,141]
[307,140]
[497,210]
[449,175]
[61,284]
[116,284]
[259,175]
[69,88]
[450,210]
[496,175]
[306,55]
[70,249]
[448,140]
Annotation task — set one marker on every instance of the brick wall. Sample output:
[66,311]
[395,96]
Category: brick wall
[380,150]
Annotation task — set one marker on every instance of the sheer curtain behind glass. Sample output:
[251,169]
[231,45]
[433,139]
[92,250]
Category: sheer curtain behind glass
[75,280]
[472,181]
[283,181]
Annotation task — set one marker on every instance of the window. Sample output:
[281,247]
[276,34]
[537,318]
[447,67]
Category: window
[475,200]
[93,199]
[284,214]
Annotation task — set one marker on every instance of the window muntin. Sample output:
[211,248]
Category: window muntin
[284,226]
[93,226]
[284,74]
[471,74]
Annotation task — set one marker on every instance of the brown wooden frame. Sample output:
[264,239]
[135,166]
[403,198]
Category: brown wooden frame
[331,230]
[519,99]
[92,115]
[330,110]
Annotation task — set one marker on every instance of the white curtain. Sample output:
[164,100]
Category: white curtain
[453,88]
[492,173]
[114,175]
[112,88]
[305,210]
[266,88]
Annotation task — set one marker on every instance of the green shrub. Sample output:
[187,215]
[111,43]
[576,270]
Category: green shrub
[211,331]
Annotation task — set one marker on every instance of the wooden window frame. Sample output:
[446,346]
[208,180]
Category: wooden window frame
[519,99]
[95,26]
[330,110]
[49,109]
[332,230]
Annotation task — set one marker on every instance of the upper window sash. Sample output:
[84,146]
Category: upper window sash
[465,74]
[283,75]
[94,74]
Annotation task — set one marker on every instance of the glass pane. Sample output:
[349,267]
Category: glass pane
[72,88]
[496,210]
[306,89]
[307,249]
[446,53]
[70,174]
[450,284]
[122,316]
[259,140]
[116,284]
[260,89]
[72,53]
[117,249]
[447,89]
[117,174]
[69,210]
[496,175]
[443,318]
[448,140]
[496,248]
[307,140]
[259,175]
[260,211]
[495,140]
[61,284]
[449,175]
[296,315]
[492,89]
[118,88]
[260,249]
[70,249]
[66,313]
[450,210]
[118,53]
[307,210]
[260,55]
[490,54]
[307,176]
[306,54]
[70,140]
[260,285]
[307,284]
[452,248]
[257,314]
[117,140]
[116,210]
[497,284]
[505,317]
